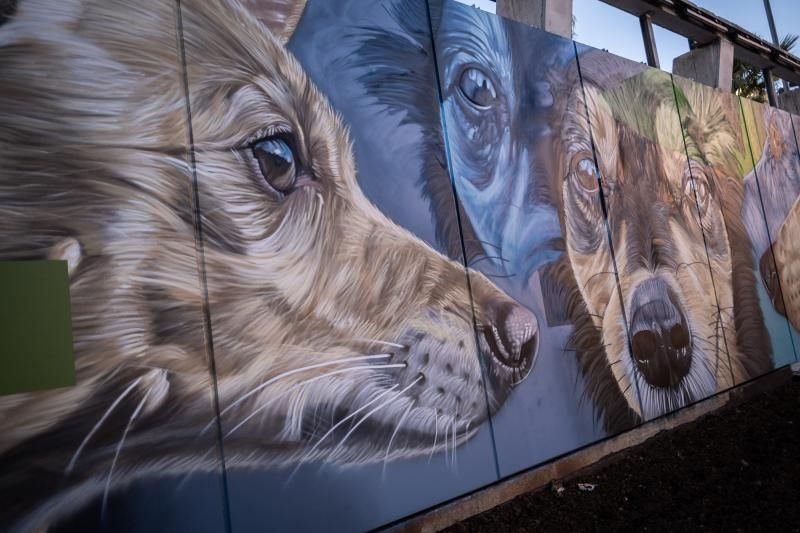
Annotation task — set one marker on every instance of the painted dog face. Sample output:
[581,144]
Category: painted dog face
[655,203]
[337,335]
[495,97]
[494,101]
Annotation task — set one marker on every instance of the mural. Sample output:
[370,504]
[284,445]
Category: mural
[667,232]
[503,87]
[340,339]
[717,137]
[95,170]
[333,264]
[771,190]
[332,335]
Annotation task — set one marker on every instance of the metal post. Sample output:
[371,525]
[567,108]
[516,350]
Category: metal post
[771,21]
[773,32]
[649,40]
[769,83]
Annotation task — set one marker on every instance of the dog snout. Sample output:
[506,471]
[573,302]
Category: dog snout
[512,334]
[661,340]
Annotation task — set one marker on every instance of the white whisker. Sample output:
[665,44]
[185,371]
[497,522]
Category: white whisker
[391,439]
[131,420]
[373,411]
[455,436]
[290,373]
[345,419]
[99,423]
[385,343]
[304,383]
[435,437]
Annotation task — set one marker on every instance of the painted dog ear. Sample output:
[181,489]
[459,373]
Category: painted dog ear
[279,16]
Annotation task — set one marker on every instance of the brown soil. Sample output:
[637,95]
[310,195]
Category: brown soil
[734,470]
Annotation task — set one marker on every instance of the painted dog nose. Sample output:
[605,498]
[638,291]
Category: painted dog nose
[512,334]
[660,337]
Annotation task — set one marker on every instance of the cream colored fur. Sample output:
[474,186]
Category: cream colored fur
[336,335]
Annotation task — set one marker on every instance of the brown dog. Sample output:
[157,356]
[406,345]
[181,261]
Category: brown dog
[677,330]
[336,334]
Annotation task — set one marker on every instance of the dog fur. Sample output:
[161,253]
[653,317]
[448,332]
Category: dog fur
[507,216]
[654,207]
[337,335]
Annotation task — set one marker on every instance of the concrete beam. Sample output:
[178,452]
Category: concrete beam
[711,64]
[554,16]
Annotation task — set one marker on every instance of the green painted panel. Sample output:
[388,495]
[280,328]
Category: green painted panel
[35,326]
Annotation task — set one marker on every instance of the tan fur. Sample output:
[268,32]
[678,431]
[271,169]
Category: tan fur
[678,257]
[321,309]
[787,258]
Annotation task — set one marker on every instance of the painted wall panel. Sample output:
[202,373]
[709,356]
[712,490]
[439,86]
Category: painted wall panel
[771,190]
[345,346]
[717,141]
[333,262]
[94,170]
[504,87]
[663,225]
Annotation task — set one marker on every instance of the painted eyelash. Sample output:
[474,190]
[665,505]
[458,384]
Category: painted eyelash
[271,131]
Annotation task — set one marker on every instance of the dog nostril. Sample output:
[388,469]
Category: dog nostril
[679,337]
[512,336]
[644,346]
[663,356]
[661,341]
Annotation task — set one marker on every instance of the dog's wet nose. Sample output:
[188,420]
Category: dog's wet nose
[512,334]
[661,341]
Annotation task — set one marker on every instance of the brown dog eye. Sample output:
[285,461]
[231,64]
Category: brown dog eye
[477,88]
[583,170]
[698,186]
[277,163]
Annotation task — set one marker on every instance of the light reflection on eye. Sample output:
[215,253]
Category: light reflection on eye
[584,172]
[477,88]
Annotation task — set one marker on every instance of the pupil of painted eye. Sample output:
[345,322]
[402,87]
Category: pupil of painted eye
[584,171]
[277,163]
[477,88]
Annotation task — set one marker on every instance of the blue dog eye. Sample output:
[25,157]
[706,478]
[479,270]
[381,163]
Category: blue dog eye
[477,88]
[277,163]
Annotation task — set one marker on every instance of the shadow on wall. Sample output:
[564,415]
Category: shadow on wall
[337,290]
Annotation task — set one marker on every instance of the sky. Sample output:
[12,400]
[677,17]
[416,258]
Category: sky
[602,26]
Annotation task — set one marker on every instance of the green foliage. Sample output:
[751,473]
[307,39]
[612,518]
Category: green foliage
[748,81]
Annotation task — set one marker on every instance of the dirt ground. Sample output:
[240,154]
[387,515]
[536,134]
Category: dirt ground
[734,470]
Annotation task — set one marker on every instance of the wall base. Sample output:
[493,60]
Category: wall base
[590,458]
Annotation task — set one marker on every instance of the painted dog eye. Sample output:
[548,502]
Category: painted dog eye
[277,163]
[477,88]
[698,186]
[584,172]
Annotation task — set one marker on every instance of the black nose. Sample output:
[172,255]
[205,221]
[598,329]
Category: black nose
[662,344]
[512,334]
